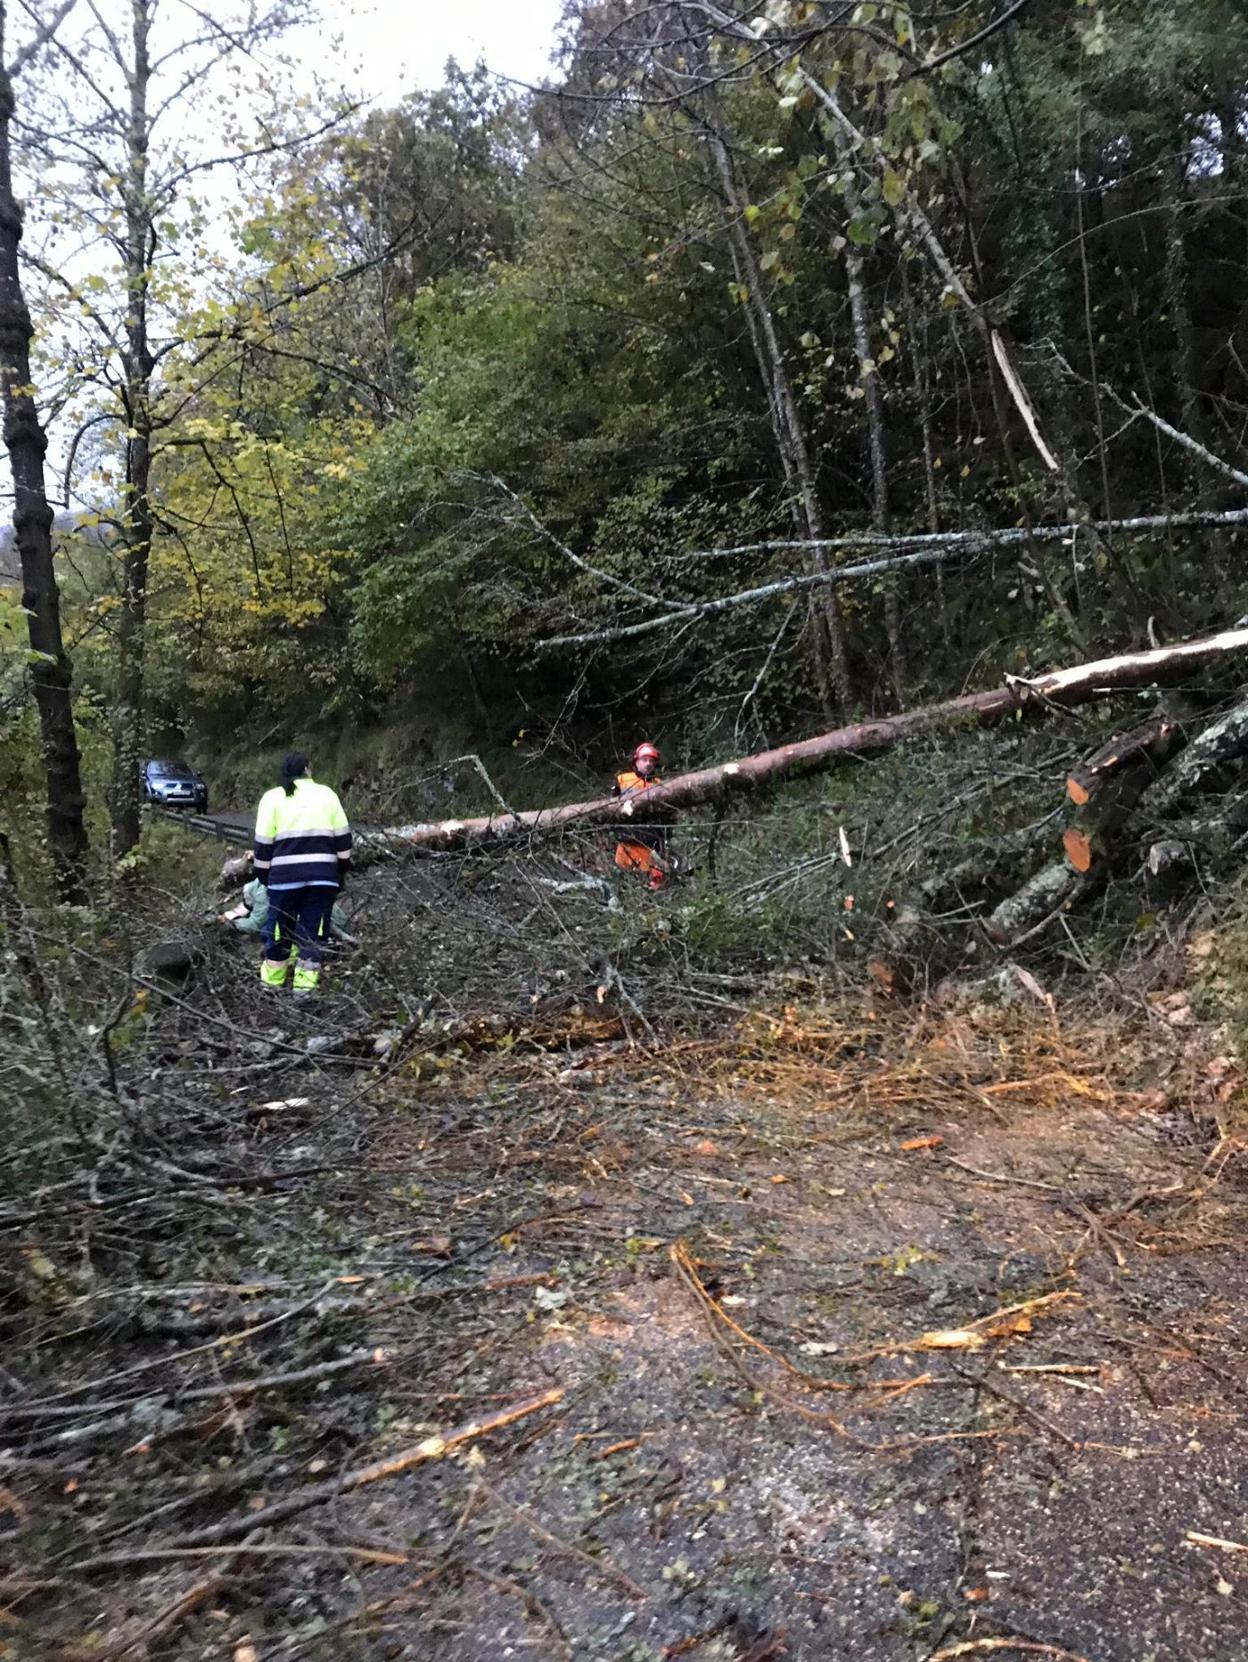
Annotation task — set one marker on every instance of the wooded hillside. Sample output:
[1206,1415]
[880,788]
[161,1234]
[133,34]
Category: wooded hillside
[771,364]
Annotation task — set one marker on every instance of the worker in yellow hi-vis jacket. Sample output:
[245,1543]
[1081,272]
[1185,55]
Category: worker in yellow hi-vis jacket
[302,850]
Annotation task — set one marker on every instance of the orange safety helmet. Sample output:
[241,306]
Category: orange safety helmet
[646,752]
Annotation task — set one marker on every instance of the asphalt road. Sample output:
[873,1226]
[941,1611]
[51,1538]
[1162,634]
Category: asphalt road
[225,825]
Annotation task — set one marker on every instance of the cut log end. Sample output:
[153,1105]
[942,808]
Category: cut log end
[1128,762]
[1078,846]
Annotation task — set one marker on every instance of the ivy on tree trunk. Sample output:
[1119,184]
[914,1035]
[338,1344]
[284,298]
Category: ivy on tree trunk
[26,442]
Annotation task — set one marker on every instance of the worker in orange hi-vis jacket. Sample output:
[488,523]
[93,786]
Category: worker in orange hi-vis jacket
[645,850]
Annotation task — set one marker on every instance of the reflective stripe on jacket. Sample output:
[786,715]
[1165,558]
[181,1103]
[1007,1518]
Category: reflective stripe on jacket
[302,840]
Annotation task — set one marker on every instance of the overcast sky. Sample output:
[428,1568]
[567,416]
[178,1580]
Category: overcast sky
[390,47]
[377,51]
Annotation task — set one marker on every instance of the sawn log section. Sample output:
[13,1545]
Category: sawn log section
[1107,785]
[1065,688]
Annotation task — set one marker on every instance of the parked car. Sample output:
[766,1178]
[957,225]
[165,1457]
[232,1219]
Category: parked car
[174,785]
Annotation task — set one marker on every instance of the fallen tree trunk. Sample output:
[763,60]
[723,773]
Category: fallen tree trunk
[1054,889]
[1064,689]
[922,553]
[1168,865]
[1203,762]
[1090,839]
[1107,785]
[1153,741]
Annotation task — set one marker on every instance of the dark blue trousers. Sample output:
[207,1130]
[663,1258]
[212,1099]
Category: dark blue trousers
[299,917]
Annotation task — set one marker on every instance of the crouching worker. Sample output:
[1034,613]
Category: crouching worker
[645,850]
[251,916]
[303,847]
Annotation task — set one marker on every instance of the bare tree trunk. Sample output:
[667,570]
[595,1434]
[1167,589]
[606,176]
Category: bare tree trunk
[1089,325]
[132,619]
[920,363]
[788,428]
[26,442]
[1002,376]
[816,614]
[869,378]
[1178,287]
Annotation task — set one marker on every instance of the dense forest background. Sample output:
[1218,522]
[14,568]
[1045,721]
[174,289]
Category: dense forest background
[439,427]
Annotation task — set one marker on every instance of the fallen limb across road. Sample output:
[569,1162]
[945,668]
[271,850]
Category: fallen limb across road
[1063,688]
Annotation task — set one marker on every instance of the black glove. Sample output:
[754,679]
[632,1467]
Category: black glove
[342,878]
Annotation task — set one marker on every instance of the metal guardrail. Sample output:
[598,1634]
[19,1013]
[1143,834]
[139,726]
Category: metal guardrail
[240,835]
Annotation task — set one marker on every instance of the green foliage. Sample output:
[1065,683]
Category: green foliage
[478,286]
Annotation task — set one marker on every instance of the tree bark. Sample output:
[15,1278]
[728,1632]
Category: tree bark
[26,442]
[869,379]
[1106,786]
[138,367]
[1065,688]
[1052,891]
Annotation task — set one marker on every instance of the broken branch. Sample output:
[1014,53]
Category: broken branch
[1196,1539]
[981,1647]
[926,548]
[433,1448]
